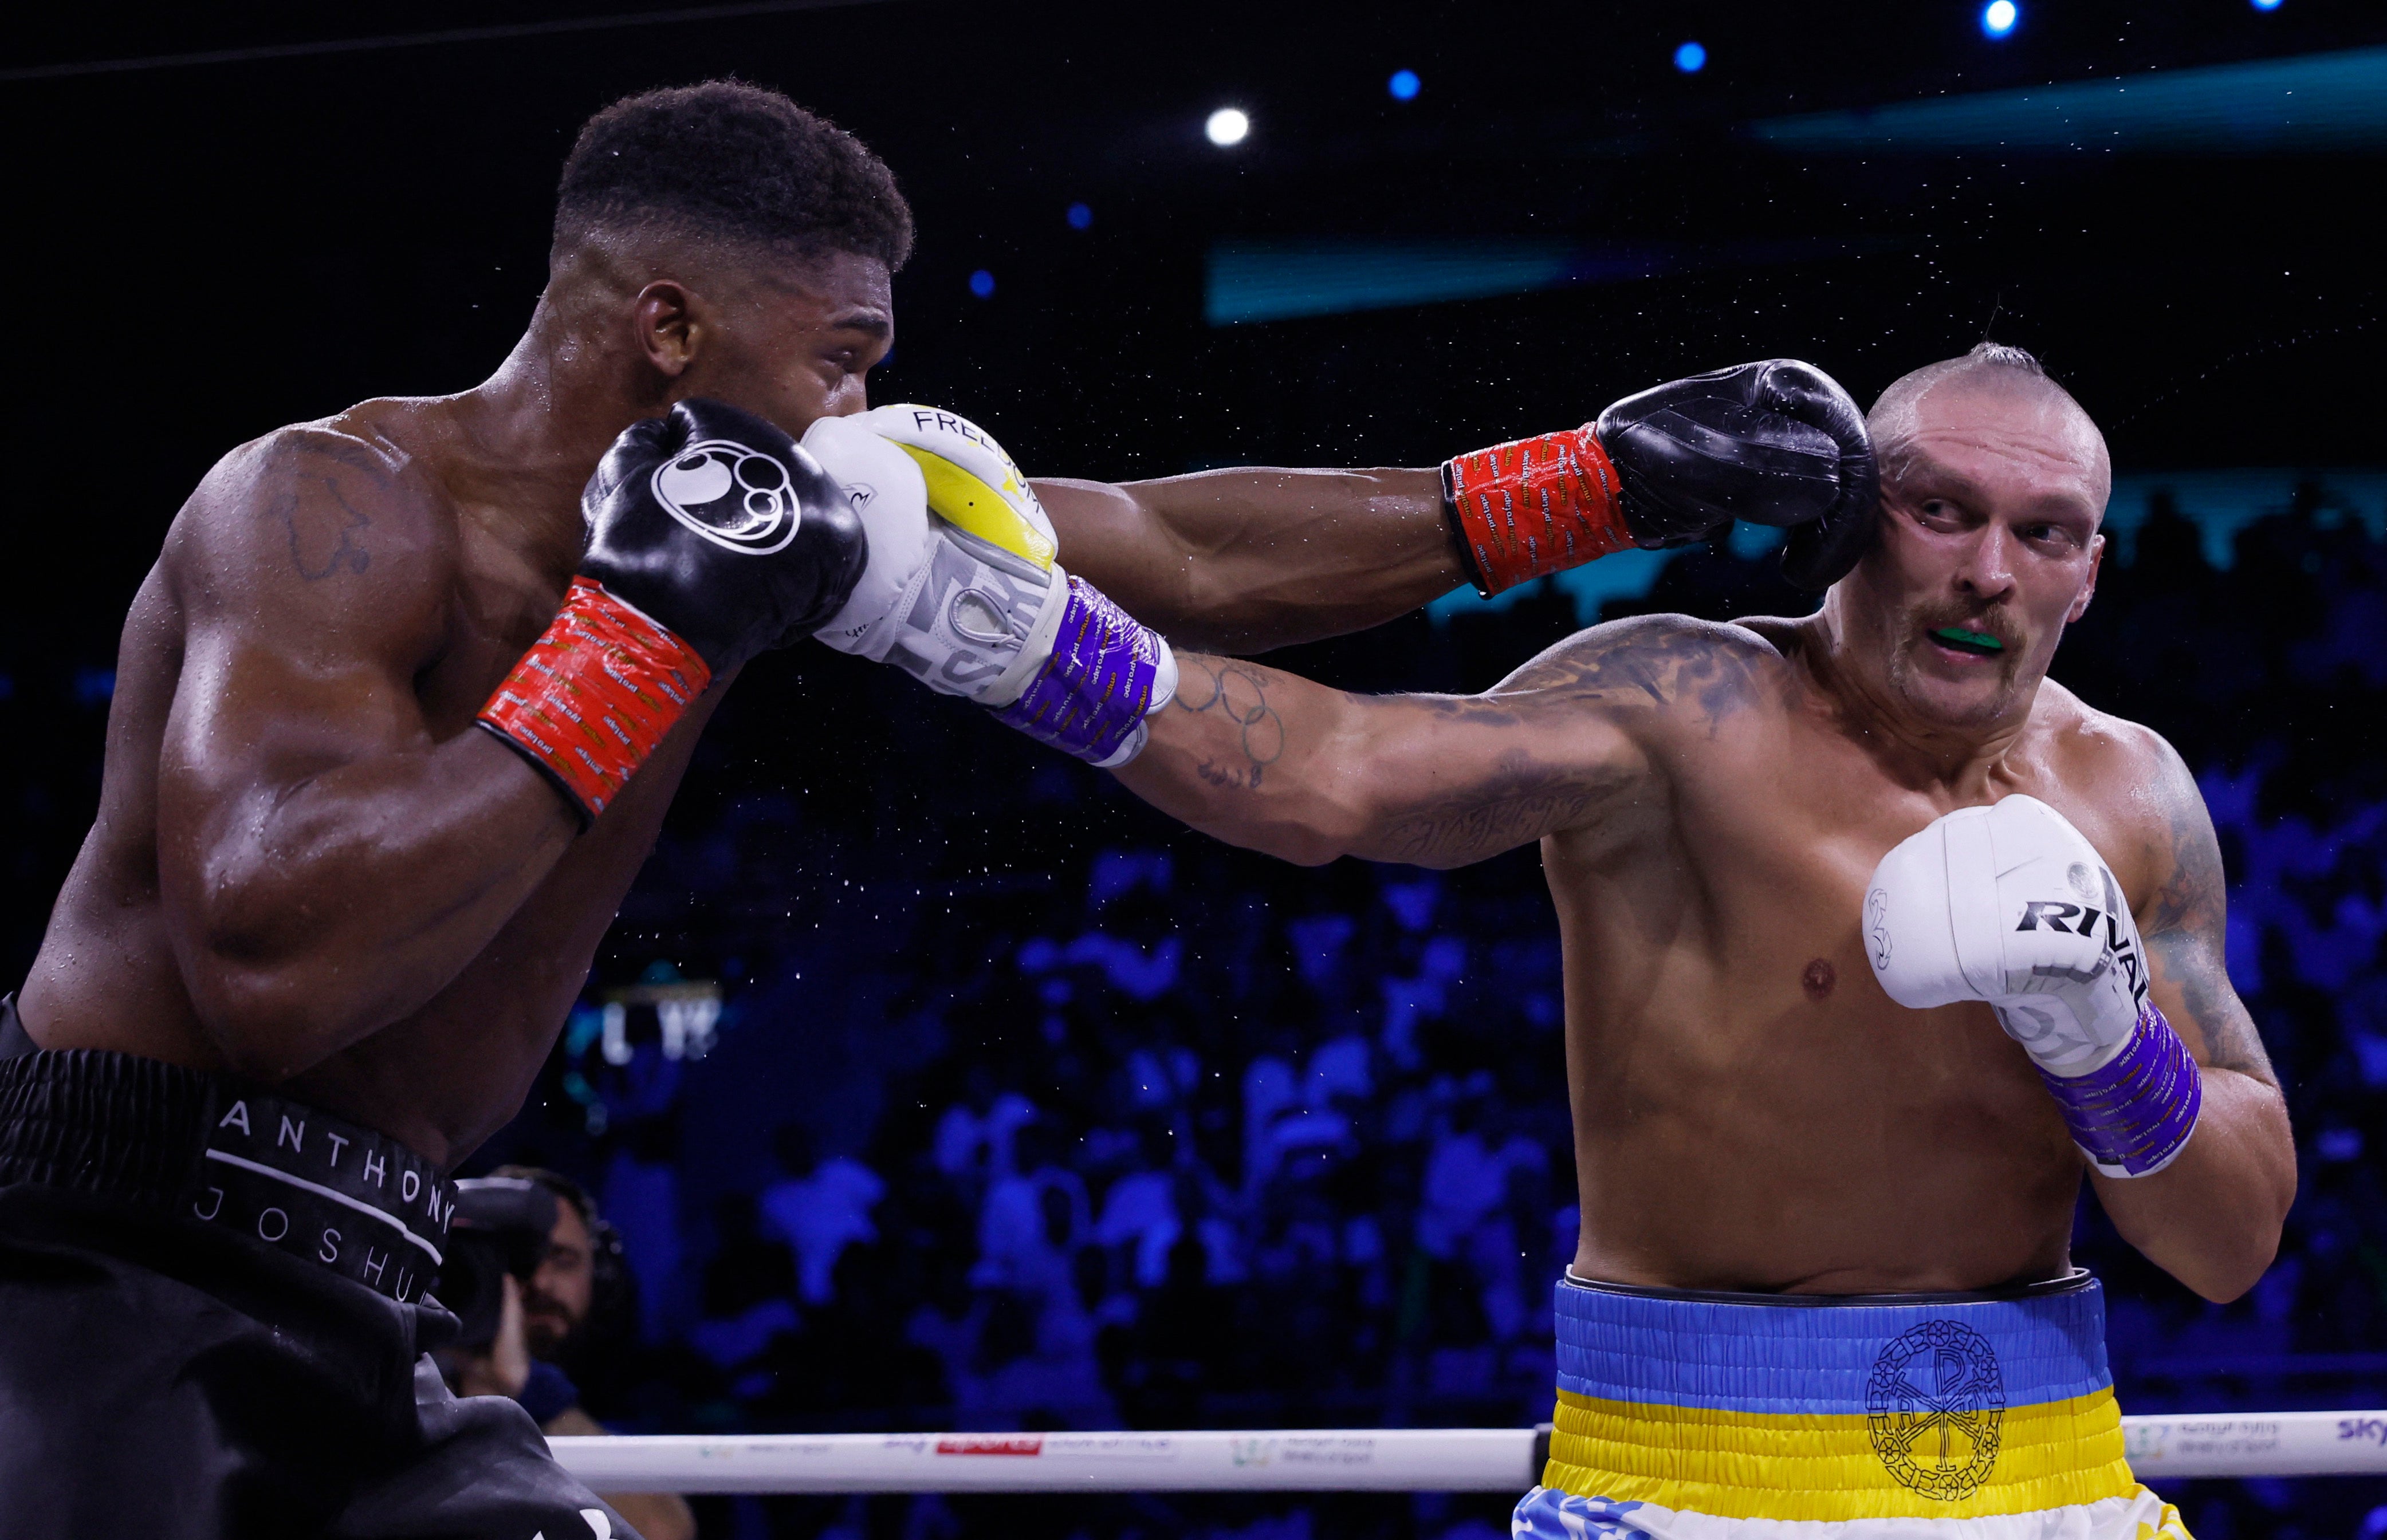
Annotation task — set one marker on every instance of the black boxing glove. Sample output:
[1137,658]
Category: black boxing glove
[712,537]
[717,525]
[1776,442]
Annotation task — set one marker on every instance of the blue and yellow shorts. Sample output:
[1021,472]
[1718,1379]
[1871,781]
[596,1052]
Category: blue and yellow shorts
[1957,1417]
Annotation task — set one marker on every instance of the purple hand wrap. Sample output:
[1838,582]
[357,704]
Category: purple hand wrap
[1090,697]
[2132,1114]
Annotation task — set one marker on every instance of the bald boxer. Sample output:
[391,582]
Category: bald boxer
[1876,939]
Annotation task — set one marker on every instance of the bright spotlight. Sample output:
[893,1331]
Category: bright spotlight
[1691,58]
[1404,84]
[2266,4]
[1998,17]
[982,283]
[1232,125]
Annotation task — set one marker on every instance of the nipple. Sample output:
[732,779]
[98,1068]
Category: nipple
[1818,979]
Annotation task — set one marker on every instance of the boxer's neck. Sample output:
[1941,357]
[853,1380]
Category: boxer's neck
[570,387]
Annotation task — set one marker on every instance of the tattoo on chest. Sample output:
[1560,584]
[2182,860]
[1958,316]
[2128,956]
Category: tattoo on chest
[1239,693]
[324,529]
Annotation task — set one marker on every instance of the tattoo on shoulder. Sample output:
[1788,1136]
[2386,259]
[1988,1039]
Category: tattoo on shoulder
[1665,661]
[1239,692]
[324,529]
[318,502]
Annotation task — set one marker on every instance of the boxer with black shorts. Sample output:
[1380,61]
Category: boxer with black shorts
[397,720]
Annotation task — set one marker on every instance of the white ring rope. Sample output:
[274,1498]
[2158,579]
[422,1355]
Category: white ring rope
[1356,1460]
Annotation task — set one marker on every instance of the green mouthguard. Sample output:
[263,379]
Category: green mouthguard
[1970,638]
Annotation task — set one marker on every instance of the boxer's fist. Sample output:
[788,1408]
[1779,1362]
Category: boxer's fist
[710,537]
[963,593]
[2012,906]
[714,523]
[960,590]
[973,484]
[1775,443]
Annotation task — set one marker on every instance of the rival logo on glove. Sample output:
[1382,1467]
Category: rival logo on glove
[734,495]
[2081,919]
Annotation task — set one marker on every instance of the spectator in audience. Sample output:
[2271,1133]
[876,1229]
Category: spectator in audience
[819,1208]
[553,1314]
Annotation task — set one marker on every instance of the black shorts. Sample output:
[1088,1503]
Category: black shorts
[213,1325]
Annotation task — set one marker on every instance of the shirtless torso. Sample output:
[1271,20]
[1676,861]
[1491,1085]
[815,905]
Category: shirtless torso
[1751,1111]
[310,869]
[371,577]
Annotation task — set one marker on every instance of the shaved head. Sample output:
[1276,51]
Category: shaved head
[1993,487]
[1990,371]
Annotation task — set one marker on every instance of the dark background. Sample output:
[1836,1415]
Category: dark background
[200,252]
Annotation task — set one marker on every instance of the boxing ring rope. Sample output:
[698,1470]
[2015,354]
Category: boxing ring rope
[1360,1460]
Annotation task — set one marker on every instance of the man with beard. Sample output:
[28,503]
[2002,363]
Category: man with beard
[1852,910]
[547,1319]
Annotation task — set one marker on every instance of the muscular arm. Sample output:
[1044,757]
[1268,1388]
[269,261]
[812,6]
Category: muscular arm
[1266,760]
[2212,1218]
[1251,558]
[326,866]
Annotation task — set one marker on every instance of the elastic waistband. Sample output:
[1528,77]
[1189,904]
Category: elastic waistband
[2072,1281]
[1802,1407]
[1829,1355]
[166,1140]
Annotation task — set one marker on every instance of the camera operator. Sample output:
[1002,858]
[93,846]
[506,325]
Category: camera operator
[530,1265]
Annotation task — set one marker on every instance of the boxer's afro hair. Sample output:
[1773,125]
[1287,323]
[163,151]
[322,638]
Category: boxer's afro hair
[729,161]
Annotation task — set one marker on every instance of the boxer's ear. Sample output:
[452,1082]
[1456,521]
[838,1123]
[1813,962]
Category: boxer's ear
[2087,589]
[663,315]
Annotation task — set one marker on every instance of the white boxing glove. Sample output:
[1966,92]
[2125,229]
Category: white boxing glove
[2011,904]
[973,482]
[960,590]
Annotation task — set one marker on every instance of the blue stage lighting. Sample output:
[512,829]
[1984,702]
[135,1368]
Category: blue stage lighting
[982,283]
[2266,4]
[1691,58]
[1080,217]
[1404,84]
[1998,17]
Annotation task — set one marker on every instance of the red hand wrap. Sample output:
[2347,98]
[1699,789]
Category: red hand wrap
[1538,505]
[595,694]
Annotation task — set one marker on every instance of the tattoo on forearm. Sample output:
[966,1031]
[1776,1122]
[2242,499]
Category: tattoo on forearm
[1239,693]
[1561,757]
